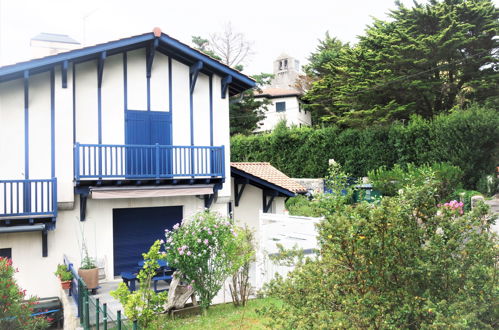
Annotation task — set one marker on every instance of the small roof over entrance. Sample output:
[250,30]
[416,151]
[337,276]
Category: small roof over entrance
[266,176]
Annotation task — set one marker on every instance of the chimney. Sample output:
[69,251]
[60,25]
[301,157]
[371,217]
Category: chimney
[45,44]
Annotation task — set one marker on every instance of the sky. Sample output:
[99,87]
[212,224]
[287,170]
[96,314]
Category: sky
[273,26]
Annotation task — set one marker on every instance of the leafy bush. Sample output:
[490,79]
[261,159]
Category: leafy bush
[389,182]
[143,305]
[464,196]
[401,263]
[63,273]
[301,206]
[205,249]
[14,312]
[467,139]
[488,185]
[240,286]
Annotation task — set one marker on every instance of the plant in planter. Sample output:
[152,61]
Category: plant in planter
[64,276]
[89,272]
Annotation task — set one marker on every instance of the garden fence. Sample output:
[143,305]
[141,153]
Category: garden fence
[93,314]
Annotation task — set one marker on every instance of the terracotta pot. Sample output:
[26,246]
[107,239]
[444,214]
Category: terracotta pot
[66,285]
[90,277]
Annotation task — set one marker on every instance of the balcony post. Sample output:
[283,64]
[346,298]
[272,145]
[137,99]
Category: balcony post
[223,161]
[77,160]
[157,161]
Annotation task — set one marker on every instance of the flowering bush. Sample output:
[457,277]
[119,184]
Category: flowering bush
[401,263]
[14,312]
[205,250]
[143,305]
[453,206]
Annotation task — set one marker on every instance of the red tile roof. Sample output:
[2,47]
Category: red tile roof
[269,173]
[278,92]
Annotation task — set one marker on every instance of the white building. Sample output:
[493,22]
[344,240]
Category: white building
[285,98]
[119,141]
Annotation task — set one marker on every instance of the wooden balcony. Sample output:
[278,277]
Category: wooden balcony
[30,200]
[104,162]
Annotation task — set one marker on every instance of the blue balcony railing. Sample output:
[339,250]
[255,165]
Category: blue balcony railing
[25,198]
[106,161]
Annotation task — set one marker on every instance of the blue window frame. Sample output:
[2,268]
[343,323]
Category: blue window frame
[280,106]
[6,253]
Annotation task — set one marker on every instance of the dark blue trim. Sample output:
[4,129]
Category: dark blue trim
[74,103]
[148,80]
[260,182]
[64,74]
[125,80]
[52,122]
[100,72]
[210,79]
[194,72]
[151,51]
[225,85]
[191,111]
[170,96]
[26,124]
[166,45]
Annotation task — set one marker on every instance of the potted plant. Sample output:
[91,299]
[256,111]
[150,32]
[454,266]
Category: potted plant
[89,272]
[64,276]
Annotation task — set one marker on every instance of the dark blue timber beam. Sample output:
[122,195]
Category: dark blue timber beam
[100,68]
[194,72]
[267,203]
[64,74]
[150,56]
[225,85]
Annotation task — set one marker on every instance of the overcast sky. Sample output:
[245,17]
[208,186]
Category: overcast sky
[274,26]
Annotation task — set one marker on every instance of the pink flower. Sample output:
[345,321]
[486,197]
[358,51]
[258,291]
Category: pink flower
[175,227]
[162,242]
[188,253]
[206,241]
[181,252]
[199,240]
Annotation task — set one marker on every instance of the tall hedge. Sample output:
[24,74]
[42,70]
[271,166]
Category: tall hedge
[465,138]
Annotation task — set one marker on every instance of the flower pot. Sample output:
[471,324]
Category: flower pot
[66,285]
[90,277]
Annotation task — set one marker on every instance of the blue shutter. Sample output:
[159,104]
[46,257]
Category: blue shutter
[160,124]
[136,229]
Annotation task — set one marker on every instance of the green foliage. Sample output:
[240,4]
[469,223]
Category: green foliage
[63,273]
[246,110]
[205,249]
[426,60]
[468,139]
[301,206]
[401,263]
[143,305]
[389,182]
[240,288]
[488,185]
[464,196]
[15,312]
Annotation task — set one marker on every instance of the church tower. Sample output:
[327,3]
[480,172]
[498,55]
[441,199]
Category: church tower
[286,71]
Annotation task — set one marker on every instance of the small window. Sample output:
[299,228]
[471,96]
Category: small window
[6,253]
[280,106]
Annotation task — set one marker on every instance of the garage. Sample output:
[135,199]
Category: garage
[136,229]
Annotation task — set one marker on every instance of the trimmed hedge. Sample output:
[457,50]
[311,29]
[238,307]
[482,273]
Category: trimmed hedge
[466,138]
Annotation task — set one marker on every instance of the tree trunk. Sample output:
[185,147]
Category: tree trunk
[178,294]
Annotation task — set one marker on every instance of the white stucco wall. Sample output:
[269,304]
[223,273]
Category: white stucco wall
[293,115]
[250,206]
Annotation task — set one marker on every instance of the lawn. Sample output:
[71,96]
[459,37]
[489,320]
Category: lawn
[223,316]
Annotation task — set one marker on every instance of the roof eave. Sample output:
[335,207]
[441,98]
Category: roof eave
[269,185]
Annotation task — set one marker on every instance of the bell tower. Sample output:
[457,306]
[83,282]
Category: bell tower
[286,71]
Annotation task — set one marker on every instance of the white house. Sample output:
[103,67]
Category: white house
[284,96]
[117,141]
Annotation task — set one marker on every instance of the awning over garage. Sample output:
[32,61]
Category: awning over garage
[150,191]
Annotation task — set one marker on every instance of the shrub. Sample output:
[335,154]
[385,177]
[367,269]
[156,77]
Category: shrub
[205,250]
[488,185]
[464,196]
[63,273]
[389,182]
[240,286]
[143,305]
[401,263]
[301,206]
[15,313]
[466,139]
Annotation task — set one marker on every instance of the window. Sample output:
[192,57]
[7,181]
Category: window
[280,106]
[6,253]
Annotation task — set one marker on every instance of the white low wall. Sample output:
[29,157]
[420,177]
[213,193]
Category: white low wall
[290,231]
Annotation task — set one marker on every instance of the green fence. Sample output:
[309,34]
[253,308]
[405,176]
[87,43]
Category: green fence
[94,315]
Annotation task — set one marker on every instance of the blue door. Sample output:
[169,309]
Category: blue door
[136,229]
[146,128]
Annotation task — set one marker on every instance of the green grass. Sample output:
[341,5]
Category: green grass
[224,316]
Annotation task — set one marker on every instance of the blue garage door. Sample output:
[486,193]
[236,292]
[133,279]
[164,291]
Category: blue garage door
[134,231]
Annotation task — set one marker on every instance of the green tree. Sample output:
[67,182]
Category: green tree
[246,110]
[427,60]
